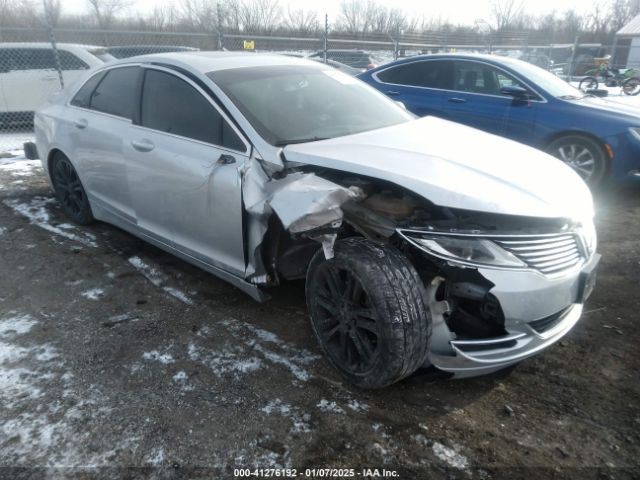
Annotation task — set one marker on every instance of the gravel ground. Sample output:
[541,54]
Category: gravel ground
[118,360]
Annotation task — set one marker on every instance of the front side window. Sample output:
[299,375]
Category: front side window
[117,93]
[482,78]
[171,105]
[294,103]
[429,74]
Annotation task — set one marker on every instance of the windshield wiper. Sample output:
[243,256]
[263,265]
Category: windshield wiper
[282,143]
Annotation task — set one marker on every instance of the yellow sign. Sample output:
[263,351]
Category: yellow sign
[249,44]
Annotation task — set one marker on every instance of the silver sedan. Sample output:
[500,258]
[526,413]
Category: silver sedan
[422,242]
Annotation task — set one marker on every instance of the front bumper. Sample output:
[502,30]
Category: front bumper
[538,311]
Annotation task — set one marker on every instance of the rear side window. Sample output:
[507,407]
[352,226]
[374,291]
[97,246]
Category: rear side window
[171,105]
[83,97]
[117,93]
[430,74]
[68,61]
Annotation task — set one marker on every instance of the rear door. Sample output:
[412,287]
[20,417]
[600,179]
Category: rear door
[418,85]
[183,166]
[100,117]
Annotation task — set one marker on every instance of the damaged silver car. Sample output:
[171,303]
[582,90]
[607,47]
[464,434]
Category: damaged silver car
[422,242]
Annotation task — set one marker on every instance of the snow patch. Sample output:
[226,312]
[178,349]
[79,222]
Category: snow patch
[299,419]
[16,325]
[332,407]
[229,360]
[450,456]
[37,214]
[289,356]
[157,278]
[93,294]
[156,356]
[357,406]
[181,376]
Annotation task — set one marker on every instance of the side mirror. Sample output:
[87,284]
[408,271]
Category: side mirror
[515,91]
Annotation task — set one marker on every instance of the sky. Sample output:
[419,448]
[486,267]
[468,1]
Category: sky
[457,12]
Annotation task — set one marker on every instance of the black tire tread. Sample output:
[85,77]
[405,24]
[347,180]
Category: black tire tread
[390,274]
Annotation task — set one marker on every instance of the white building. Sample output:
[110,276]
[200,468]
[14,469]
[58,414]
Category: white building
[627,45]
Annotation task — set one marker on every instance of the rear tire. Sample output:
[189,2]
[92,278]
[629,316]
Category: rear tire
[631,86]
[368,311]
[583,154]
[69,190]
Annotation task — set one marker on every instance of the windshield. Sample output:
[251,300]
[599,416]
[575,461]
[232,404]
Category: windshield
[294,104]
[546,80]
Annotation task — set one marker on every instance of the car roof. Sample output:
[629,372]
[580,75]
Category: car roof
[469,56]
[206,62]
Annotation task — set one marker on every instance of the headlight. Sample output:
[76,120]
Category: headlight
[635,131]
[476,251]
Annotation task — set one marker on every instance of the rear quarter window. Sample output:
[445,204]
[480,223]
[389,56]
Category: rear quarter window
[428,74]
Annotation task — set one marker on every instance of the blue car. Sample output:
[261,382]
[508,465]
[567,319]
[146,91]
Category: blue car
[599,139]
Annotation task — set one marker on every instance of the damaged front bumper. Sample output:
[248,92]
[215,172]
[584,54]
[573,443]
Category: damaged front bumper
[538,311]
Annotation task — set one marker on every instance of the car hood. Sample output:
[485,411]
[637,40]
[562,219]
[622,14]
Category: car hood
[456,166]
[618,108]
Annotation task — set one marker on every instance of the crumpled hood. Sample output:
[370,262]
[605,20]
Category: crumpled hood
[456,166]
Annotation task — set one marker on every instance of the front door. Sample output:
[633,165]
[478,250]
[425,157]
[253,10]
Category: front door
[184,165]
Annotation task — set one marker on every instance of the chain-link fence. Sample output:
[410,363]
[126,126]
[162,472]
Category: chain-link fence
[35,63]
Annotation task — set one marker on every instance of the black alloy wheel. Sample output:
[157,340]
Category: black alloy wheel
[69,190]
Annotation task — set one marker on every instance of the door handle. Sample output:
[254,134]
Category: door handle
[142,145]
[81,123]
[392,92]
[226,159]
[457,100]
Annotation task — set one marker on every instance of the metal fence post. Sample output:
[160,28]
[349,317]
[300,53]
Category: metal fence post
[52,40]
[572,66]
[219,29]
[325,39]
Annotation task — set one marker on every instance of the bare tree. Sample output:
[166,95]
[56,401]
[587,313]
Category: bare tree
[105,11]
[52,12]
[622,11]
[358,16]
[507,14]
[301,21]
[201,15]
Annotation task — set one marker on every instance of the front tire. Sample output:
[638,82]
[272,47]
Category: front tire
[588,83]
[368,311]
[69,190]
[583,154]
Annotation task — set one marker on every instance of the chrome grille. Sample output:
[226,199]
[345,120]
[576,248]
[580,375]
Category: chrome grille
[548,254]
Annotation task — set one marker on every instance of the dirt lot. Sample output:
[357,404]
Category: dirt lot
[117,359]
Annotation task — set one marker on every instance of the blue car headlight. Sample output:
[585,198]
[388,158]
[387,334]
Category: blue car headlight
[635,132]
